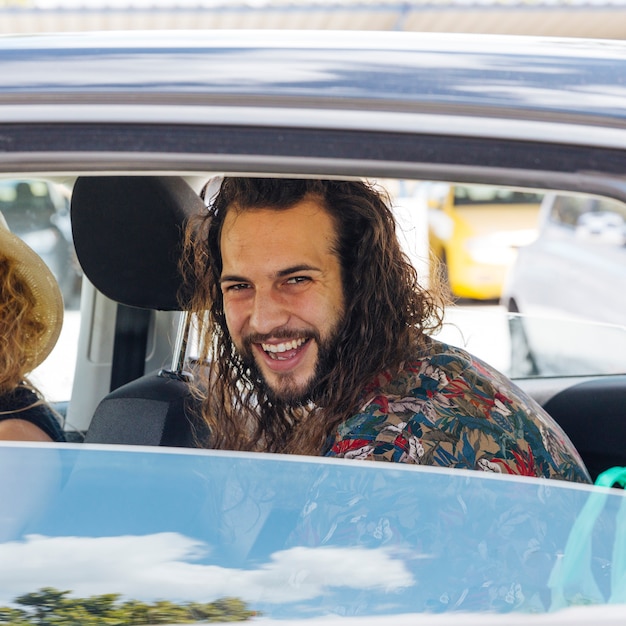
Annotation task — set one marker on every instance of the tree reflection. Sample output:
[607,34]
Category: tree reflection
[51,607]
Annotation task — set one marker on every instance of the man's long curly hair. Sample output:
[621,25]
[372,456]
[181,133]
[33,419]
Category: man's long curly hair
[387,315]
[19,328]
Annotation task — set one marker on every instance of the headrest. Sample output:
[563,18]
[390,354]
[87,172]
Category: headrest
[128,236]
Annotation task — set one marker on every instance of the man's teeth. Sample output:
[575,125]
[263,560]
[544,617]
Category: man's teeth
[283,347]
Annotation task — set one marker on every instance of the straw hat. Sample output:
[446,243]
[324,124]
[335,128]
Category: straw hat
[43,284]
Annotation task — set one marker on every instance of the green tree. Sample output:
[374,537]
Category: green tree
[222,610]
[51,607]
[42,604]
[134,613]
[165,612]
[13,617]
[99,605]
[101,610]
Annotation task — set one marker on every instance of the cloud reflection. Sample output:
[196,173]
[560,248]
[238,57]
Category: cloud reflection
[162,566]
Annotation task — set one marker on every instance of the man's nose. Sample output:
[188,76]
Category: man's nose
[268,312]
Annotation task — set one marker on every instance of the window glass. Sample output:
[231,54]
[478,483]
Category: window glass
[613,206]
[536,292]
[289,539]
[567,209]
[38,211]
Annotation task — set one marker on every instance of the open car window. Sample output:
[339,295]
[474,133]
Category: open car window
[545,305]
[547,301]
[38,211]
[551,263]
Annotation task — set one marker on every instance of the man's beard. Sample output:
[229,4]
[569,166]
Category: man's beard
[289,394]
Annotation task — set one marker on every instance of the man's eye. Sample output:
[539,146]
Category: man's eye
[235,287]
[297,280]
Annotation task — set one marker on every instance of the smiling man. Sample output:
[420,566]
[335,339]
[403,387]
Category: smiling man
[318,340]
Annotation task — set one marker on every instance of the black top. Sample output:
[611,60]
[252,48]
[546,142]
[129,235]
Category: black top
[21,404]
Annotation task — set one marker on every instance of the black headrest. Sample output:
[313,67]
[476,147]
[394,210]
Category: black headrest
[128,235]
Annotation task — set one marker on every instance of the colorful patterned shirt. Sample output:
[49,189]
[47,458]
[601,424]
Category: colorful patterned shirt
[449,408]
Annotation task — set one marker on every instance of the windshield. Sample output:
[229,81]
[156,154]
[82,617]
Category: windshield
[285,537]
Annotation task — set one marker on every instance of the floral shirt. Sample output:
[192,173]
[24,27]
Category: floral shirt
[449,408]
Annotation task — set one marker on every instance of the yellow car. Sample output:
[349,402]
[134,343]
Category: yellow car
[475,231]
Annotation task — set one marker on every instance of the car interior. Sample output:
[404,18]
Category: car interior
[127,233]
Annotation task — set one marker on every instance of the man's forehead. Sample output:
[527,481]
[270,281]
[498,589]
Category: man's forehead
[310,202]
[299,216]
[277,239]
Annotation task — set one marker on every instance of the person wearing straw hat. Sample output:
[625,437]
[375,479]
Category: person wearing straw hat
[31,315]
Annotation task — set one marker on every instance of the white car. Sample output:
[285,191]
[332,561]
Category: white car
[575,267]
[573,271]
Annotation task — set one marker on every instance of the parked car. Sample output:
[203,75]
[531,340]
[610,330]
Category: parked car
[129,523]
[573,271]
[581,242]
[475,232]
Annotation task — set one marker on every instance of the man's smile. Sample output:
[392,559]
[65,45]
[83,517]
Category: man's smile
[283,356]
[285,350]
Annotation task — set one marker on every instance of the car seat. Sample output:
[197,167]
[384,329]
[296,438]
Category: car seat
[593,413]
[128,236]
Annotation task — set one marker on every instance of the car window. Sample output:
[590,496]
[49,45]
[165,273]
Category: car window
[555,304]
[527,330]
[567,210]
[574,271]
[287,538]
[38,211]
[494,328]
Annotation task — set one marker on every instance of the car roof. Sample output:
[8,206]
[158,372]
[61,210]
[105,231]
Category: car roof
[510,87]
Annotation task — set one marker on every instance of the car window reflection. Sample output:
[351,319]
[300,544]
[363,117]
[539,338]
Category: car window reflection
[293,537]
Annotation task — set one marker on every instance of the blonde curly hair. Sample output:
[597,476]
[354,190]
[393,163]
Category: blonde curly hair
[19,327]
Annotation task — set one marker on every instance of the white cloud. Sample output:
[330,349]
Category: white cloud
[161,566]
